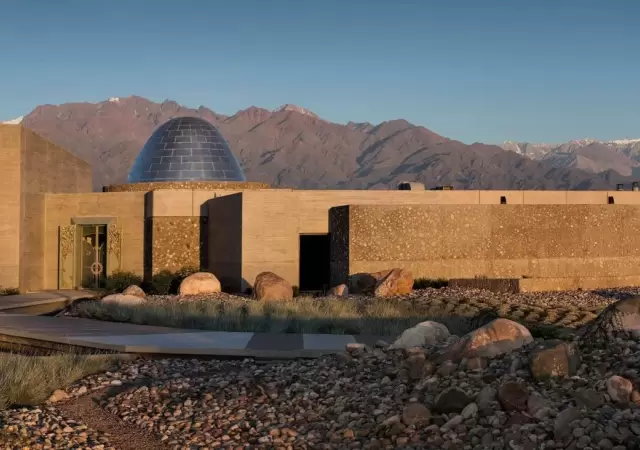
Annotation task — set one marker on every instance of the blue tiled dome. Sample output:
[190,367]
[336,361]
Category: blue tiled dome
[186,149]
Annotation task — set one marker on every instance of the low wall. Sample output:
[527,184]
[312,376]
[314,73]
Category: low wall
[493,241]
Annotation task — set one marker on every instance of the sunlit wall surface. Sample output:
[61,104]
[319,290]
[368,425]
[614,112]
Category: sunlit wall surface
[186,149]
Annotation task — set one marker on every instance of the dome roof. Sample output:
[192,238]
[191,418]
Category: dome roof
[186,149]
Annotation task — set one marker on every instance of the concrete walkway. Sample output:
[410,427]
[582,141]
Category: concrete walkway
[130,338]
[63,298]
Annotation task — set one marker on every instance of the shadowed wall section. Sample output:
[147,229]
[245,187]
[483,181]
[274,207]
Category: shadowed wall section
[225,241]
[30,168]
[46,168]
[505,241]
[10,137]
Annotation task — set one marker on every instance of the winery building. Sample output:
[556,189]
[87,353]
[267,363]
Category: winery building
[187,203]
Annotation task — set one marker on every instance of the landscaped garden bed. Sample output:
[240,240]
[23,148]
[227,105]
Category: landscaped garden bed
[459,309]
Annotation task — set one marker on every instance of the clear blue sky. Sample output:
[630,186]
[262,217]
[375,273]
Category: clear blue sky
[471,70]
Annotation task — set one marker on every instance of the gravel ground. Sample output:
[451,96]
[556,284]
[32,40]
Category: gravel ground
[589,300]
[368,400]
[46,428]
[362,399]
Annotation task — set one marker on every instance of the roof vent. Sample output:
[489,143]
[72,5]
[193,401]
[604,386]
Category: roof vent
[410,186]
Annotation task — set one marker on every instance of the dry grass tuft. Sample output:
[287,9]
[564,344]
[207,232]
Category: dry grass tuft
[30,380]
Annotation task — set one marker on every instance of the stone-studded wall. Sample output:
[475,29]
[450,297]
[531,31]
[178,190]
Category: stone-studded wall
[177,242]
[195,185]
[501,241]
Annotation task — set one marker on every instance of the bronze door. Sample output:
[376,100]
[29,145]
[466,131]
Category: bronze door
[93,255]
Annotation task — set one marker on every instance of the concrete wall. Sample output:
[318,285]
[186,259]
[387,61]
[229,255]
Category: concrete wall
[10,138]
[126,208]
[30,167]
[273,220]
[45,168]
[555,241]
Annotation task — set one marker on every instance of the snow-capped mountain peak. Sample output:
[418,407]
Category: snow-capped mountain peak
[295,108]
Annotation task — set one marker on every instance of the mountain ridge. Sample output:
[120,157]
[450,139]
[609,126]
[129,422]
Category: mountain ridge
[292,146]
[592,155]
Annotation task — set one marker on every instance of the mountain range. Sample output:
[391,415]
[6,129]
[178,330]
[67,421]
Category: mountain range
[622,155]
[293,147]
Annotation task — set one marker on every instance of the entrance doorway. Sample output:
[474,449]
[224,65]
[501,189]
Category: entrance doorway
[92,255]
[314,262]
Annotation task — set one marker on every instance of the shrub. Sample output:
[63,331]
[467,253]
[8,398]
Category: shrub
[9,291]
[119,280]
[424,283]
[296,291]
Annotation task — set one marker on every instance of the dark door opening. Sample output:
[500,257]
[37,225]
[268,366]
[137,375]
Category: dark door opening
[314,262]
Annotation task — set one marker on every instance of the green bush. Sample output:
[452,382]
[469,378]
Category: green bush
[9,291]
[424,283]
[119,280]
[160,283]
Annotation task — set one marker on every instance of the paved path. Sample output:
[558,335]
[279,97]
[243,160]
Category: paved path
[20,301]
[130,338]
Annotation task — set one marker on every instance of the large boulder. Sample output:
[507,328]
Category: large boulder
[365,283]
[622,316]
[122,299]
[134,290]
[270,287]
[397,282]
[422,335]
[554,359]
[498,337]
[200,283]
[619,389]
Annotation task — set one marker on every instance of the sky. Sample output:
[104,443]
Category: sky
[477,71]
